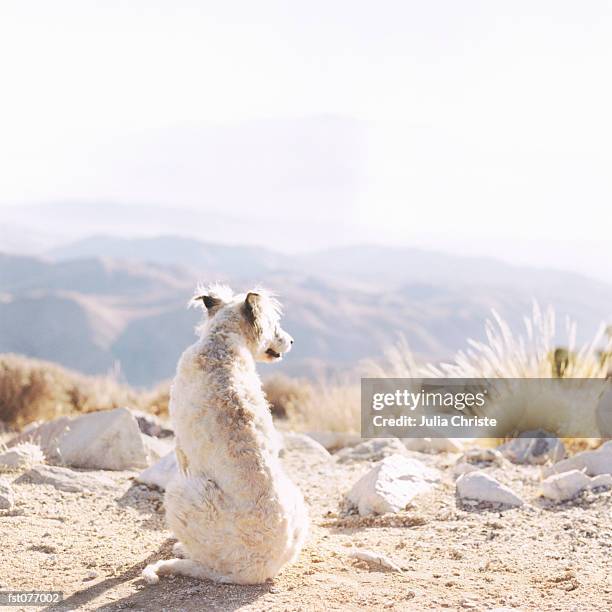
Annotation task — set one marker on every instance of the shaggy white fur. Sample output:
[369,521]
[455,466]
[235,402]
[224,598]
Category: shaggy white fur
[236,514]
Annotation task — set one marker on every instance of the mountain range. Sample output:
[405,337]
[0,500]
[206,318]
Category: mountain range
[104,300]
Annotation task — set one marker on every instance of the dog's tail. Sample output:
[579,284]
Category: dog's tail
[182,567]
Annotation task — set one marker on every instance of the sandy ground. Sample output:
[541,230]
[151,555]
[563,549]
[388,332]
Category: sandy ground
[93,547]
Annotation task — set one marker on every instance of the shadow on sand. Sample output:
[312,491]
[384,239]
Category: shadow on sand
[172,593]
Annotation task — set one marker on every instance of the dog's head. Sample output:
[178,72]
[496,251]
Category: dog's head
[256,314]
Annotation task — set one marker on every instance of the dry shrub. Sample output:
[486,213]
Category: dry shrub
[331,406]
[286,395]
[507,354]
[35,390]
[156,400]
[323,405]
[534,354]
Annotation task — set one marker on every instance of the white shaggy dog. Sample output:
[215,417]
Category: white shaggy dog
[236,514]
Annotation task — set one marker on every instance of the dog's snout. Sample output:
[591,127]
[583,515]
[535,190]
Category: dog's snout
[291,341]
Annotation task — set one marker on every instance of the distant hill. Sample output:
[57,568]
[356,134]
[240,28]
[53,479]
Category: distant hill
[208,258]
[99,301]
[367,266]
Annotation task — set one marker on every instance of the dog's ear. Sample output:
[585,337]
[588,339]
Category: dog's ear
[252,309]
[210,302]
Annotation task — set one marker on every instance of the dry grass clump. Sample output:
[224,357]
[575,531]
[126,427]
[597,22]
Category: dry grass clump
[155,400]
[323,405]
[332,405]
[565,411]
[33,390]
[286,395]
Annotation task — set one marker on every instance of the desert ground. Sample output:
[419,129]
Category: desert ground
[92,545]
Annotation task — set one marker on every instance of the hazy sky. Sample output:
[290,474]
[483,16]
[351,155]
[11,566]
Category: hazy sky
[477,126]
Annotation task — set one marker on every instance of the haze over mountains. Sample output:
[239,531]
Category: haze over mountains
[106,300]
[300,183]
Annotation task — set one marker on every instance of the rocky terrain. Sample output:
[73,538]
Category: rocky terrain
[458,527]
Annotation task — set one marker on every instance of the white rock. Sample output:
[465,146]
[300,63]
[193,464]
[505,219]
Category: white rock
[371,450]
[335,440]
[561,487]
[157,447]
[464,468]
[301,443]
[434,445]
[7,498]
[391,484]
[23,455]
[533,447]
[481,487]
[43,434]
[375,558]
[66,479]
[593,462]
[603,480]
[160,473]
[107,440]
[606,447]
[482,457]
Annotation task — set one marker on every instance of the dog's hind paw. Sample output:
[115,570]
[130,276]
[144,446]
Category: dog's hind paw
[149,574]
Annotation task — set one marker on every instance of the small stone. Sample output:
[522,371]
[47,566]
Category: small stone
[533,447]
[335,440]
[434,445]
[603,481]
[372,450]
[391,484]
[7,497]
[294,442]
[481,487]
[156,448]
[22,456]
[160,473]
[564,486]
[375,559]
[65,479]
[482,457]
[464,468]
[593,462]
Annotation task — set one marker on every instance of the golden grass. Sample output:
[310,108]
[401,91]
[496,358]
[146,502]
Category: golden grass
[332,405]
[287,395]
[532,354]
[33,390]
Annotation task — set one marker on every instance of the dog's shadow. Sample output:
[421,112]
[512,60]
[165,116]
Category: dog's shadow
[171,593]
[148,501]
